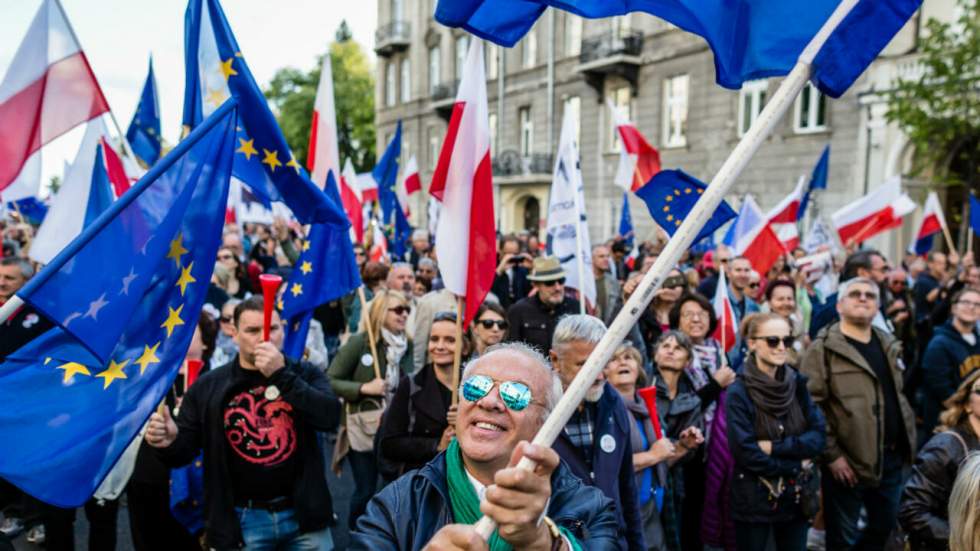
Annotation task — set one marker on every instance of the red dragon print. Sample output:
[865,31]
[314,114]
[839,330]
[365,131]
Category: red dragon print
[260,431]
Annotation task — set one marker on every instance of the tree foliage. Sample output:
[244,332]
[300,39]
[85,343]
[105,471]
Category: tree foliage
[940,110]
[292,93]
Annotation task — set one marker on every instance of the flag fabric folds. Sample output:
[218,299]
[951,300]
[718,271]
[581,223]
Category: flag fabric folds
[785,215]
[325,271]
[324,153]
[48,89]
[626,221]
[638,160]
[125,297]
[215,70]
[411,182]
[670,196]
[31,208]
[818,180]
[352,200]
[876,212]
[722,304]
[933,222]
[462,183]
[143,133]
[750,38]
[385,174]
[752,237]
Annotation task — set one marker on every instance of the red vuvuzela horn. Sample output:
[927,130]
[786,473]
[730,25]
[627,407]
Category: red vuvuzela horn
[270,284]
[649,396]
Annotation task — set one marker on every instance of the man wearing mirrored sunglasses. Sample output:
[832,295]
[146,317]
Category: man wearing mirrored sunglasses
[596,441]
[855,376]
[532,320]
[505,396]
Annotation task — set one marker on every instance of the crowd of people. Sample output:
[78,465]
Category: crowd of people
[843,414]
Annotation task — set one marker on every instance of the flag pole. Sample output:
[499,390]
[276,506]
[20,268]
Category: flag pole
[580,256]
[946,234]
[458,353]
[739,158]
[370,331]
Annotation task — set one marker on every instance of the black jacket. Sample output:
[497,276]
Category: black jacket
[534,323]
[407,513]
[509,292]
[750,498]
[948,359]
[415,420]
[24,326]
[923,511]
[201,426]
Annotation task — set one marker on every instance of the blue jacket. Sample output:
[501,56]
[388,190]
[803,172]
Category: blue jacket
[750,501]
[948,360]
[612,466]
[407,513]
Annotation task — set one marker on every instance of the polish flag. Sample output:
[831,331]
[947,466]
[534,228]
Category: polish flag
[49,89]
[638,160]
[462,182]
[933,222]
[379,243]
[350,196]
[411,183]
[725,330]
[368,186]
[114,166]
[323,153]
[876,212]
[754,238]
[784,216]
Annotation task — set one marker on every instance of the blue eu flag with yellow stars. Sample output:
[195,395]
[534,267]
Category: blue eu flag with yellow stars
[215,70]
[325,270]
[143,133]
[125,296]
[670,196]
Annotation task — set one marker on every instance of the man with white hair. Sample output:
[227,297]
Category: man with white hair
[505,396]
[401,277]
[595,442]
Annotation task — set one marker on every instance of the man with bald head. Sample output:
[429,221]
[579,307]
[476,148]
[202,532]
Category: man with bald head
[505,396]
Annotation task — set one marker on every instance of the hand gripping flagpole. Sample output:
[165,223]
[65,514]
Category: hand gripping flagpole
[688,230]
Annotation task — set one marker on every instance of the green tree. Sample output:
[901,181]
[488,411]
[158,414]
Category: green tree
[343,32]
[293,91]
[940,110]
[54,184]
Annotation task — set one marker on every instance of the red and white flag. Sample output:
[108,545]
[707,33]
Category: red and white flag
[379,243]
[725,330]
[350,196]
[876,212]
[49,89]
[368,186]
[115,169]
[412,183]
[462,182]
[323,155]
[638,160]
[754,237]
[783,217]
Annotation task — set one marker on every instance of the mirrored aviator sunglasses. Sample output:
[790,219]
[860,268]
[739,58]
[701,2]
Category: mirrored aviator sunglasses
[515,395]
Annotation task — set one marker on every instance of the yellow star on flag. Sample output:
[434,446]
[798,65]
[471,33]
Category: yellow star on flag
[226,69]
[292,163]
[700,191]
[173,320]
[247,148]
[185,278]
[306,267]
[280,305]
[666,208]
[677,222]
[149,357]
[271,159]
[670,217]
[216,96]
[669,198]
[296,289]
[177,249]
[306,245]
[677,192]
[687,190]
[72,369]
[113,372]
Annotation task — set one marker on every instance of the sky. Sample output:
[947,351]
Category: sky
[118,37]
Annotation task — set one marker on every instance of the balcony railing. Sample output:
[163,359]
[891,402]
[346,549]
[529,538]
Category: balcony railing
[392,37]
[610,44]
[512,163]
[444,91]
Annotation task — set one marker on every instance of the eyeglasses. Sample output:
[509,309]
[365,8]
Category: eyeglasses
[753,285]
[225,319]
[969,303]
[695,314]
[724,260]
[488,324]
[400,310]
[515,394]
[559,281]
[674,282]
[862,295]
[773,341]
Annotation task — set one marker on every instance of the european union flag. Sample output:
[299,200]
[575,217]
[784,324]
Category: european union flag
[626,221]
[215,71]
[401,233]
[818,180]
[125,295]
[670,196]
[749,38]
[30,208]
[143,133]
[385,174]
[975,213]
[325,270]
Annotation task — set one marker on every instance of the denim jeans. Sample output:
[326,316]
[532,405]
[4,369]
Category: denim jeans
[266,530]
[842,507]
[787,536]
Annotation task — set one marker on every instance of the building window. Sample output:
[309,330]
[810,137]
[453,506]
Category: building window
[462,47]
[621,26]
[396,10]
[493,133]
[391,88]
[573,34]
[811,110]
[573,110]
[435,69]
[493,60]
[751,100]
[620,99]
[529,52]
[433,137]
[675,111]
[526,125]
[406,67]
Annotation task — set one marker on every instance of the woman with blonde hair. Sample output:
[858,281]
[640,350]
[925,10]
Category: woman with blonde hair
[964,507]
[365,373]
[923,512]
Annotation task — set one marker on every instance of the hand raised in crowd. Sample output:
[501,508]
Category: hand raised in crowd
[280,229]
[268,359]
[505,263]
[517,498]
[456,537]
[690,438]
[842,471]
[374,387]
[724,376]
[452,414]
[765,446]
[161,430]
[447,435]
[631,285]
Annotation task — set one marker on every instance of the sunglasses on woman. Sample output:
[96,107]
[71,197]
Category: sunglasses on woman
[515,394]
[674,282]
[400,310]
[773,342]
[488,324]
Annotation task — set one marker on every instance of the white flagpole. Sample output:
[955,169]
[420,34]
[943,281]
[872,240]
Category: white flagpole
[780,103]
[579,255]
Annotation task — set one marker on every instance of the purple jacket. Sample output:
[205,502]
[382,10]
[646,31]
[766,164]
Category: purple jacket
[717,526]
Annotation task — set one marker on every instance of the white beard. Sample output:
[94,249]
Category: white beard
[594,393]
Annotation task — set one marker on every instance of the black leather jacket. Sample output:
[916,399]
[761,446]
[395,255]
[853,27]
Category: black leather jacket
[407,513]
[922,513]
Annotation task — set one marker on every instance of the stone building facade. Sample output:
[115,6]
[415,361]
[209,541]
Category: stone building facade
[663,79]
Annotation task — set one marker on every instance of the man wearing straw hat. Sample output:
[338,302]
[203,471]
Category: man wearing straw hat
[533,319]
[506,394]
